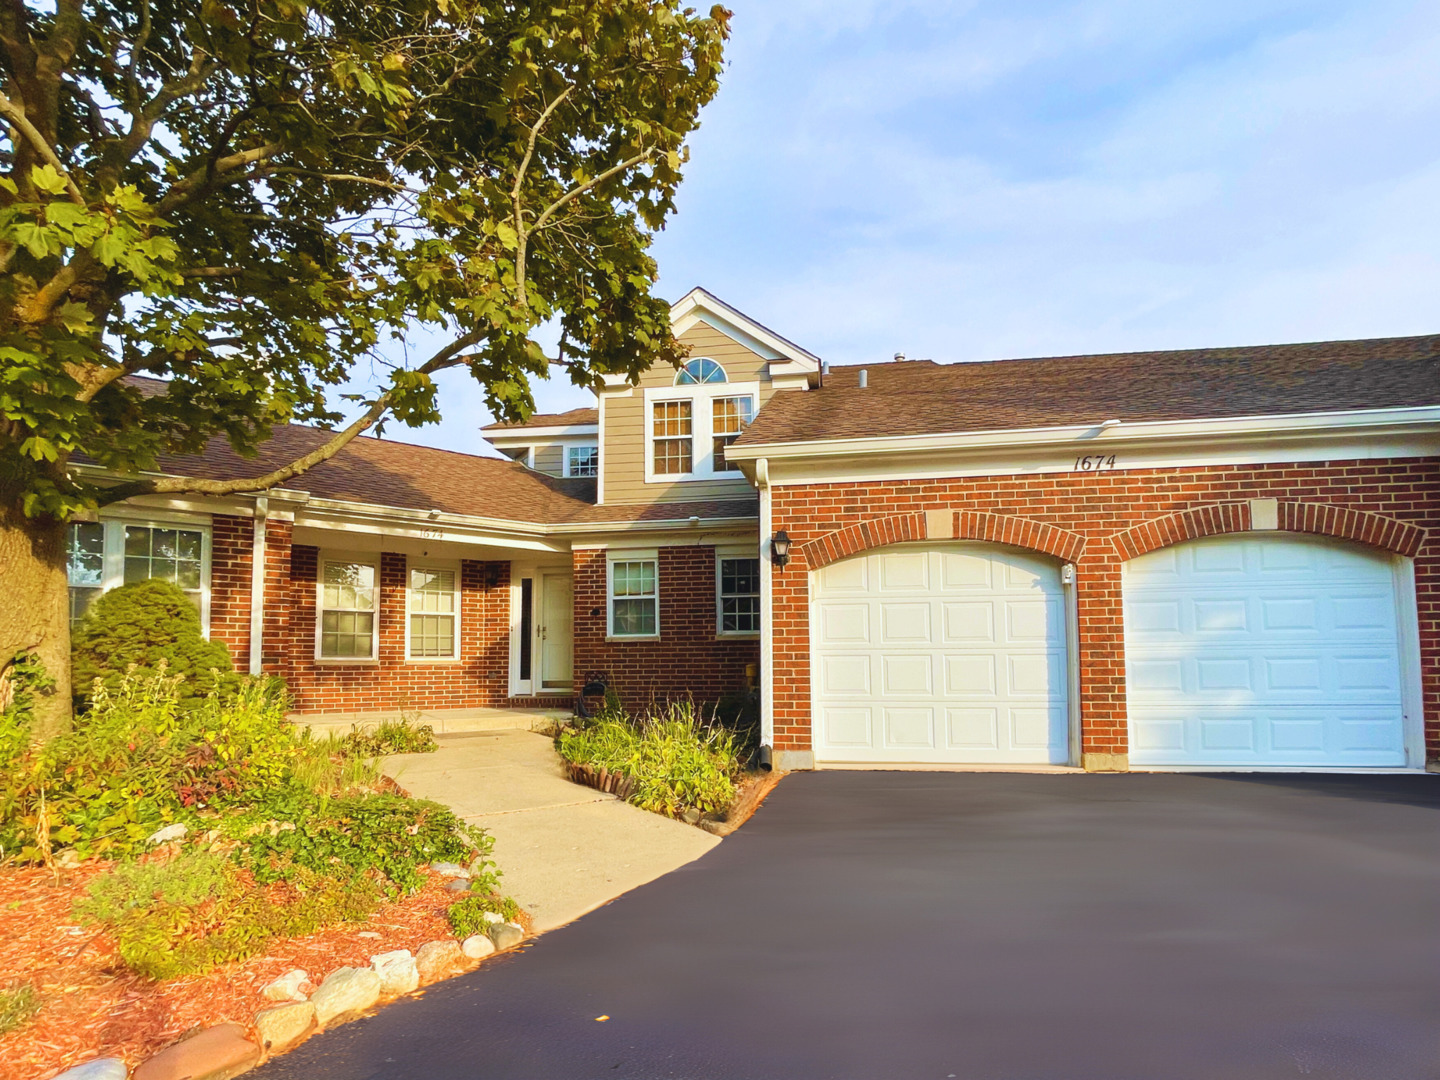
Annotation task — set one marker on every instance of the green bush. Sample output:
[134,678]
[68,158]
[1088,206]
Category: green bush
[192,914]
[392,737]
[140,625]
[136,761]
[467,916]
[18,1003]
[389,834]
[675,759]
[185,881]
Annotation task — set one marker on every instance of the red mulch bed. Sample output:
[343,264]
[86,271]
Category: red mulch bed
[92,1007]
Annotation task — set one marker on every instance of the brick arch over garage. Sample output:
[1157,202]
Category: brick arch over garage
[1319,519]
[943,525]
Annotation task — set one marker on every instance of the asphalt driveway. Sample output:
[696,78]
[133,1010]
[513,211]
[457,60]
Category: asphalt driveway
[983,927]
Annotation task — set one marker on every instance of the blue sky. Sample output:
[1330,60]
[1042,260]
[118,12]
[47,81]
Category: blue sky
[967,181]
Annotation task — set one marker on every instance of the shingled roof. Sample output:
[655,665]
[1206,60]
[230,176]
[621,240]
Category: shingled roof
[925,398]
[572,418]
[395,474]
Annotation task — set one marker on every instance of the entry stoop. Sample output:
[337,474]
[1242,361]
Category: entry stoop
[444,721]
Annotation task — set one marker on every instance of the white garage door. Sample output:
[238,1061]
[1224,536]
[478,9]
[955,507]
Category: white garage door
[947,653]
[1263,650]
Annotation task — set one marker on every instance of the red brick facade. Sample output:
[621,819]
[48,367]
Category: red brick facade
[1097,521]
[689,658]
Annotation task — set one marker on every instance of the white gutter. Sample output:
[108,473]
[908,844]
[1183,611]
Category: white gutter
[524,434]
[1297,424]
[767,608]
[257,586]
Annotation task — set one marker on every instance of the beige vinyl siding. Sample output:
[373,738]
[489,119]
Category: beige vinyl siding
[623,461]
[550,459]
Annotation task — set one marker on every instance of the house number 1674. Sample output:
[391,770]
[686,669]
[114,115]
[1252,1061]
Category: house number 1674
[1094,463]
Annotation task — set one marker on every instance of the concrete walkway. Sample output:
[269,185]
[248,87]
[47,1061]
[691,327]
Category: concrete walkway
[564,849]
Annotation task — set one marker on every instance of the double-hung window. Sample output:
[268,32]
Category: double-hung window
[674,438]
[101,555]
[692,423]
[349,604]
[634,598]
[730,416]
[739,596]
[582,461]
[434,614]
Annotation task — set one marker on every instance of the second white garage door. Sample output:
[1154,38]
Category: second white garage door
[1264,650]
[951,653]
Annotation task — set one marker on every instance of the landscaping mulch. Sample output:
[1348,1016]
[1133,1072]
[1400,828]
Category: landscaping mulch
[91,1006]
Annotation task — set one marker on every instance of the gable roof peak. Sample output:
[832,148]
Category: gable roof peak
[701,305]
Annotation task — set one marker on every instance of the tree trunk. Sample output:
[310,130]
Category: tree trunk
[34,608]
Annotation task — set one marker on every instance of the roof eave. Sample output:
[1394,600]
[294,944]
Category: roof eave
[1217,428]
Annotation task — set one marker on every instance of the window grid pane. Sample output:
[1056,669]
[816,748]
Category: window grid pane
[584,460]
[634,602]
[731,416]
[673,427]
[432,612]
[347,618]
[167,554]
[85,553]
[740,596]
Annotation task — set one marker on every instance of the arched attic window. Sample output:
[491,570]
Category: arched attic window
[700,370]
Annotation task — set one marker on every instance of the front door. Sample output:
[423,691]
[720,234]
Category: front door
[557,620]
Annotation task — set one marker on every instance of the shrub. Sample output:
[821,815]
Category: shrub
[185,881]
[193,914]
[324,766]
[389,834]
[137,761]
[467,916]
[18,1003]
[139,625]
[674,759]
[392,737]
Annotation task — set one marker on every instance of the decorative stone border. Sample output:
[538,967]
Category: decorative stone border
[301,1009]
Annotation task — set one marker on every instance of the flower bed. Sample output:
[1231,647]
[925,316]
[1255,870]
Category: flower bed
[165,861]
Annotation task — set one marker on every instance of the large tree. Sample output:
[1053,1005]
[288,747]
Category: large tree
[246,198]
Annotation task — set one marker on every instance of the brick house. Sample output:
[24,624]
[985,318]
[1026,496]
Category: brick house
[1205,559]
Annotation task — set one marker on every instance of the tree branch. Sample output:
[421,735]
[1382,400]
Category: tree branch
[575,192]
[184,189]
[522,234]
[449,356]
[16,115]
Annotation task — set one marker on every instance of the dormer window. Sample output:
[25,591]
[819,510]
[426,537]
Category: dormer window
[690,425]
[700,370]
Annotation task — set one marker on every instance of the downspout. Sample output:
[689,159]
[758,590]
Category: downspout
[767,608]
[257,585]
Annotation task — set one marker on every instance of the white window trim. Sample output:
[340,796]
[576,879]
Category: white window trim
[720,556]
[565,458]
[371,560]
[112,575]
[433,564]
[702,449]
[633,555]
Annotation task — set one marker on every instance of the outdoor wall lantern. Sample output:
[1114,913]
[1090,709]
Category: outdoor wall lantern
[780,548]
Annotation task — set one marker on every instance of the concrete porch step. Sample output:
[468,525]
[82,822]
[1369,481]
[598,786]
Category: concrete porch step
[444,721]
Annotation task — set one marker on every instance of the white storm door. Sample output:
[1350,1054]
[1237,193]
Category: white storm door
[556,631]
[950,653]
[1268,650]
